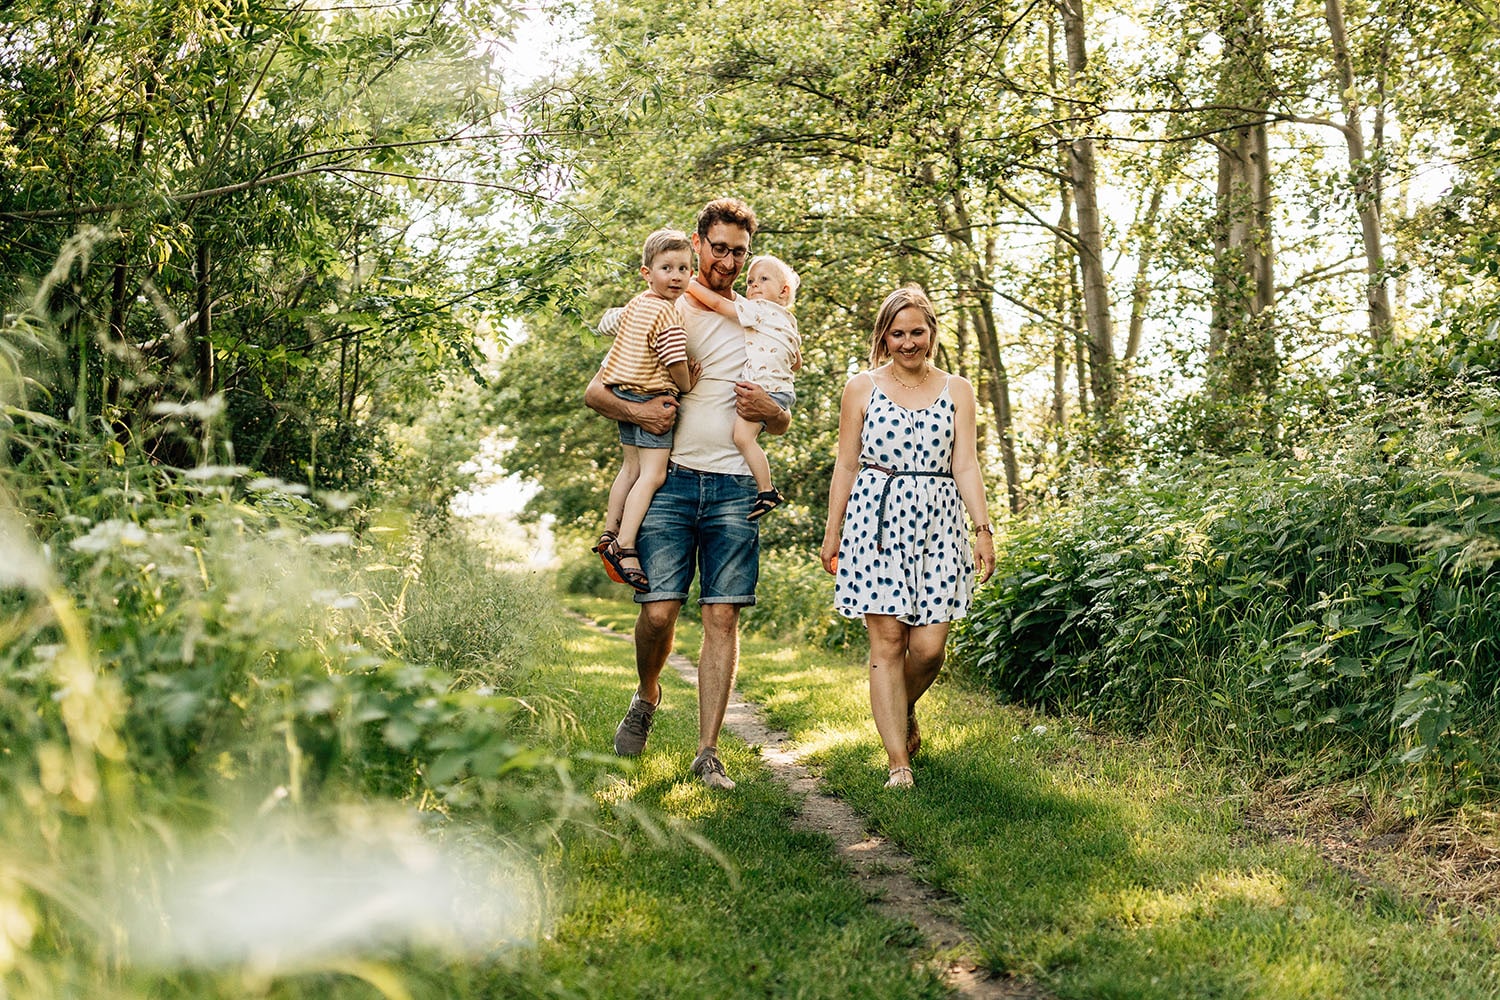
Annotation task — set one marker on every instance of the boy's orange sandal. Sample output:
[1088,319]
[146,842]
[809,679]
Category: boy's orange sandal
[606,541]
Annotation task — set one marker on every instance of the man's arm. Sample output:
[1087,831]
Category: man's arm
[657,415]
[756,405]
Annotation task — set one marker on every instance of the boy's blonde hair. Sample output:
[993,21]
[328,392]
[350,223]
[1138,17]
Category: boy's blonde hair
[661,241]
[787,274]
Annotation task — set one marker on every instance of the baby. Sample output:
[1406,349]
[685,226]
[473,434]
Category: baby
[773,351]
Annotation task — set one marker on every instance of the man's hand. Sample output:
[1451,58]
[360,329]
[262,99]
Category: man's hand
[754,404]
[655,415]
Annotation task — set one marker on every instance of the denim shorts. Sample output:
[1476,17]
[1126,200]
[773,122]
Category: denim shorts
[697,521]
[634,434]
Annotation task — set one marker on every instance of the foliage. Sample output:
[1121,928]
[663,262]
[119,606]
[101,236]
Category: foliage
[264,203]
[795,601]
[1271,607]
[186,647]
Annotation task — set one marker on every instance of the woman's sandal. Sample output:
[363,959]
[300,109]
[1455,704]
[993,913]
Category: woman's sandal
[606,541]
[900,778]
[634,577]
[765,502]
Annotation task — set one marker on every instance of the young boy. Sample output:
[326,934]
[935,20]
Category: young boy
[773,352]
[647,360]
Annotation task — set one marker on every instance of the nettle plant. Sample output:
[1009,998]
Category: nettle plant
[1275,607]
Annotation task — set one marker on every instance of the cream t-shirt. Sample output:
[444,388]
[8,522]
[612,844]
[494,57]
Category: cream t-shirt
[705,418]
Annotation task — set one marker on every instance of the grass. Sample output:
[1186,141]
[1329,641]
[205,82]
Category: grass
[682,892]
[1105,868]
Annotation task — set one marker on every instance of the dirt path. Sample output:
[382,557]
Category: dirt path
[883,869]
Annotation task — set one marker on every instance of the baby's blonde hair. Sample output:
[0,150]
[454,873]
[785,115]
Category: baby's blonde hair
[787,274]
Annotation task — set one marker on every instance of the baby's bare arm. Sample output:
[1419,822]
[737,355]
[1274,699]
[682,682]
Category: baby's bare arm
[711,300]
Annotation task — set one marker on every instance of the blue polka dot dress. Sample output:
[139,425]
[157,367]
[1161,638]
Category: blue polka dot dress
[913,563]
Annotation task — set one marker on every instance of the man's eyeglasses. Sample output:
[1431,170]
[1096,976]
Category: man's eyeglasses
[722,250]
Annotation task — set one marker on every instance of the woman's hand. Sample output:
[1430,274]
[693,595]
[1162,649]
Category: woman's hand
[984,554]
[830,551]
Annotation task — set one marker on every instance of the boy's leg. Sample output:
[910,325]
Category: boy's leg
[630,470]
[653,472]
[745,434]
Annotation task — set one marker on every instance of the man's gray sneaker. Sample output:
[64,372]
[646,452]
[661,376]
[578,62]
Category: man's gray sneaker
[630,735]
[710,768]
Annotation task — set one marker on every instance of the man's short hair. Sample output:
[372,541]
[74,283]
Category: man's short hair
[727,210]
[661,241]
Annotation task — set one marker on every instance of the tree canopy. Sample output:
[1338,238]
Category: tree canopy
[1150,229]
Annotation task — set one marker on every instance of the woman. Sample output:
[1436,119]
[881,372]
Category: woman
[895,538]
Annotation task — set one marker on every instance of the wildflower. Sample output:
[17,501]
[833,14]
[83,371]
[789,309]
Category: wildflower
[110,534]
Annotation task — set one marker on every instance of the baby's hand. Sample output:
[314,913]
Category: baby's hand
[796,361]
[695,372]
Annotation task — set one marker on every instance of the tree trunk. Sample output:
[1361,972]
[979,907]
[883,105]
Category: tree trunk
[1081,171]
[1366,177]
[1065,279]
[1140,292]
[1242,349]
[969,273]
[203,340]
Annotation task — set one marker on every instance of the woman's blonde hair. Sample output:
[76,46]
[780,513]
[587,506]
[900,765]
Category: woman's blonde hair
[902,298]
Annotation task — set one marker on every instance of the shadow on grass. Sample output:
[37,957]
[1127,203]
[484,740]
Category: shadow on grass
[1102,868]
[686,892]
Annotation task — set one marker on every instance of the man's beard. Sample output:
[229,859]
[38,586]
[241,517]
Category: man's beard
[718,281]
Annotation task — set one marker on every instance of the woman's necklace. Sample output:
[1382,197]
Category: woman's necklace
[926,374]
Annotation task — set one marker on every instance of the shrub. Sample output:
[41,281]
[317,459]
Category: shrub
[1273,607]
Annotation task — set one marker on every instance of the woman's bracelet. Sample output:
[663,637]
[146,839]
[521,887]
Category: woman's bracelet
[984,528]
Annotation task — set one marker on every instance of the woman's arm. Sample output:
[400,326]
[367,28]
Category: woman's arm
[967,475]
[712,300]
[852,406]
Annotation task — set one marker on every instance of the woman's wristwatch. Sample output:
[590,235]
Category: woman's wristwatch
[984,528]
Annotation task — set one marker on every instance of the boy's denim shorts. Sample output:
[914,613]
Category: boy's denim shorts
[697,521]
[633,434]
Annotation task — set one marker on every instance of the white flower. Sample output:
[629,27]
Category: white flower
[1038,730]
[330,539]
[110,534]
[203,473]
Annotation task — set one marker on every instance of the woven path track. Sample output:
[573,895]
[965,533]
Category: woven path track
[883,869]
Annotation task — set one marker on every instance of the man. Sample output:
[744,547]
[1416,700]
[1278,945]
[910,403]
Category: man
[698,517]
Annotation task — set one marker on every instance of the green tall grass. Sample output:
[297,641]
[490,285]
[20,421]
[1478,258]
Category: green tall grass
[206,671]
